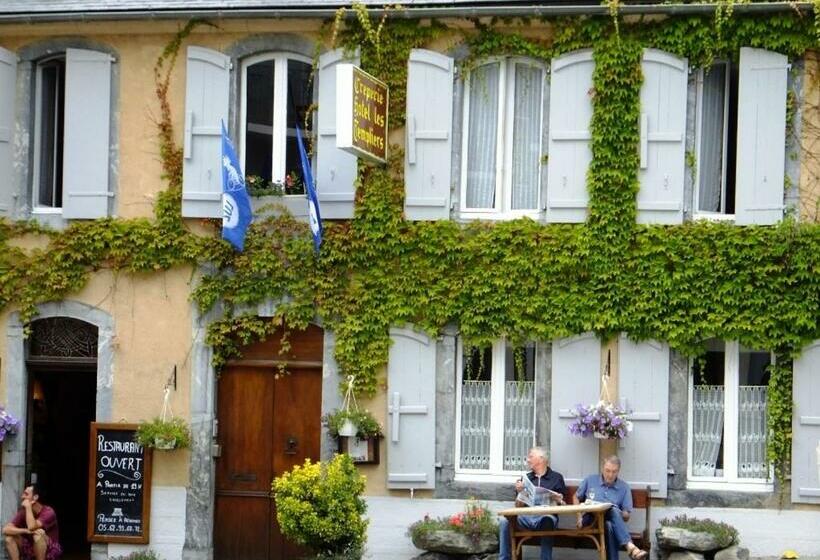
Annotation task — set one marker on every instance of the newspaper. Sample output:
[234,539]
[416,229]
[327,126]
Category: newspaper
[532,495]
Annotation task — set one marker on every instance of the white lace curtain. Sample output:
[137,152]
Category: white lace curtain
[710,162]
[707,428]
[519,424]
[751,447]
[475,424]
[483,127]
[526,136]
[483,135]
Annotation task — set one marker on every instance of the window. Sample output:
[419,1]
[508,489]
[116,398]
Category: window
[496,408]
[49,117]
[277,94]
[502,146]
[728,420]
[717,139]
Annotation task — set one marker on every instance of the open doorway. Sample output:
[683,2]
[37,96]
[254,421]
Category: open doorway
[61,366]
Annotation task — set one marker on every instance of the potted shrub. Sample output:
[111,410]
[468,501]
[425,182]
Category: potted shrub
[164,434]
[320,505]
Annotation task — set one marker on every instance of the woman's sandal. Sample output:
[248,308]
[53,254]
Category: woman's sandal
[638,554]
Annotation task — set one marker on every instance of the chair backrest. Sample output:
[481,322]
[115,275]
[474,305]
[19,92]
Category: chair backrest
[640,496]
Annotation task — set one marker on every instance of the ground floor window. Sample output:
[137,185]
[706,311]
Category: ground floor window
[728,405]
[495,408]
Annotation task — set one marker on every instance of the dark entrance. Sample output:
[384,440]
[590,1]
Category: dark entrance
[269,421]
[62,366]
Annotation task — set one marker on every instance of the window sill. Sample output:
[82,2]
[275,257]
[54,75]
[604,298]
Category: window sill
[714,217]
[475,476]
[46,211]
[759,486]
[469,216]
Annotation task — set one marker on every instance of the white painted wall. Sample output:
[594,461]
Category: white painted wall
[765,532]
[167,531]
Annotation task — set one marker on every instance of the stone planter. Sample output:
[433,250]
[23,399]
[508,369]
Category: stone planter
[676,543]
[676,538]
[451,542]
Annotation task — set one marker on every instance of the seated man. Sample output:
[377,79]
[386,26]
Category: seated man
[32,534]
[607,487]
[541,476]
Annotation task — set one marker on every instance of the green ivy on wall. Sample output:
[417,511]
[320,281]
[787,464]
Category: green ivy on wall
[519,279]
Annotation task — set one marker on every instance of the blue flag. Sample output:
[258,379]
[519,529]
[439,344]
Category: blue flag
[236,206]
[313,201]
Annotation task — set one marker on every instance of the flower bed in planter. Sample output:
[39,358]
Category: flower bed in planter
[472,531]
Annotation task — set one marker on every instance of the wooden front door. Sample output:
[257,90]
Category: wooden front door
[268,422]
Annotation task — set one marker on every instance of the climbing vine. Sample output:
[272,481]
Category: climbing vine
[518,279]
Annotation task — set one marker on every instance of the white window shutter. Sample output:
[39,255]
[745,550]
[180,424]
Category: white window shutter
[8,79]
[761,137]
[429,135]
[576,379]
[662,141]
[411,410]
[86,140]
[643,388]
[806,426]
[335,169]
[570,151]
[206,106]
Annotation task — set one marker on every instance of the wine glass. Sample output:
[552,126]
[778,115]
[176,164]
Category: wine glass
[590,496]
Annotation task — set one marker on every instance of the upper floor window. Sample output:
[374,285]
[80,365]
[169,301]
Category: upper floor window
[277,93]
[49,123]
[741,133]
[71,174]
[728,414]
[717,138]
[496,408]
[502,149]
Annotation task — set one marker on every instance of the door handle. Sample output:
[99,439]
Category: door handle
[291,445]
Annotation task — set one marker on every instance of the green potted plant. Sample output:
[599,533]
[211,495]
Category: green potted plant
[164,434]
[320,505]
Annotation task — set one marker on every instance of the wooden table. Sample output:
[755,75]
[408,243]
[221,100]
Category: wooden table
[594,532]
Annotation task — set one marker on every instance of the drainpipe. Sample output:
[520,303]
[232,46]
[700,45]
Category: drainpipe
[407,12]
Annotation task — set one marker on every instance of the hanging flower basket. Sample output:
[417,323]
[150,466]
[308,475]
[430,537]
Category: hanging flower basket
[164,443]
[164,434]
[8,424]
[348,428]
[350,423]
[602,420]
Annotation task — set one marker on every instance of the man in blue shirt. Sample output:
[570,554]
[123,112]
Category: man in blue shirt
[607,487]
[541,476]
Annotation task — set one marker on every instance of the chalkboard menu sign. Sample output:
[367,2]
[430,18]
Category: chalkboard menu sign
[119,485]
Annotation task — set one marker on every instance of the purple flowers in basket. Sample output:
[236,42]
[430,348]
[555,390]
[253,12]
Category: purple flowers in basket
[8,424]
[603,420]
